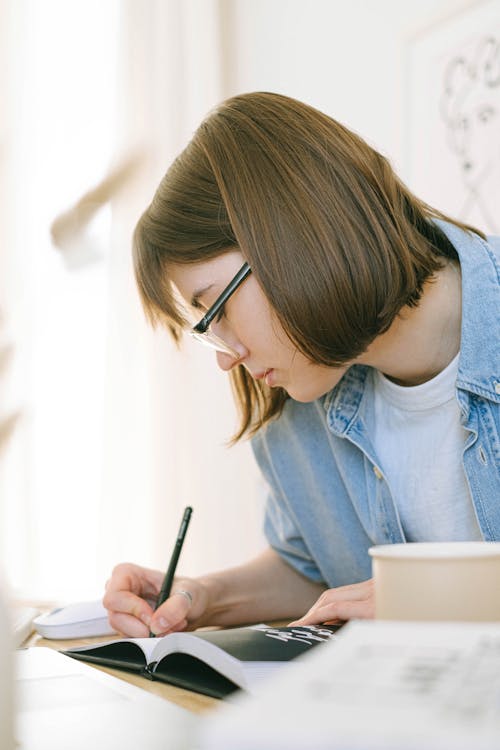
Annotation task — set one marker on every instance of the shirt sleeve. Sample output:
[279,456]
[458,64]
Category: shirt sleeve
[280,524]
[284,537]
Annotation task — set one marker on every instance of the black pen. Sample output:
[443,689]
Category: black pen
[169,575]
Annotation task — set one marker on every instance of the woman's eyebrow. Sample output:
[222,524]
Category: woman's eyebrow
[195,299]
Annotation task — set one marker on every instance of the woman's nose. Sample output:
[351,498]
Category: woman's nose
[227,361]
[236,350]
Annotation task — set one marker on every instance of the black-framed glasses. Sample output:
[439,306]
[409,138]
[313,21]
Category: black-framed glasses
[201,331]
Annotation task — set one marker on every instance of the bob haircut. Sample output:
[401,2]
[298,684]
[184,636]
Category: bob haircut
[337,243]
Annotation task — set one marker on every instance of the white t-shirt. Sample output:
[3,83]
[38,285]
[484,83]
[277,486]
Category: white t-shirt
[420,441]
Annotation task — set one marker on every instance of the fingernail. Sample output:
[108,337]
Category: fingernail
[146,618]
[160,626]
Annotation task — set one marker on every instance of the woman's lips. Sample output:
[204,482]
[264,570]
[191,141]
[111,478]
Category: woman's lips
[265,375]
[268,376]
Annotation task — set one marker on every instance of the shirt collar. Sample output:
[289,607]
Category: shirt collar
[479,362]
[342,403]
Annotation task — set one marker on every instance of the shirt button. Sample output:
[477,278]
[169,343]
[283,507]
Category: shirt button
[497,387]
[377,472]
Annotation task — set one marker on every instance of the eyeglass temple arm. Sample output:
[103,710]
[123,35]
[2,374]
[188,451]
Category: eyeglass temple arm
[202,326]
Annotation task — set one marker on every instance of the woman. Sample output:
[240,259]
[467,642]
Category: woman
[360,328]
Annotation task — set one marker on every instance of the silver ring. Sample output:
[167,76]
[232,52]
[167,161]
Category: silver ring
[187,594]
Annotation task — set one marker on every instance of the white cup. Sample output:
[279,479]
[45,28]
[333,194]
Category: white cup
[437,581]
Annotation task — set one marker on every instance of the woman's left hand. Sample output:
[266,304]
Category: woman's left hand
[340,604]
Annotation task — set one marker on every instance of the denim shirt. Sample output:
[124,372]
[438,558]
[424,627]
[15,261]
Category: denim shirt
[328,500]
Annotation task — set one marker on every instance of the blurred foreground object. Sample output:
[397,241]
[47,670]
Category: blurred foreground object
[378,686]
[70,230]
[6,678]
[7,424]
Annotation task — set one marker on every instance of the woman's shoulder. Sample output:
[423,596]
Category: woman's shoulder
[493,241]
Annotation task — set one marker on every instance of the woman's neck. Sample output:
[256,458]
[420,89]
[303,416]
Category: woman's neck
[422,340]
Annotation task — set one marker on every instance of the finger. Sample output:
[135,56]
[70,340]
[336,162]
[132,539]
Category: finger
[128,604]
[128,625]
[182,625]
[348,593]
[132,590]
[338,611]
[171,614]
[302,621]
[358,610]
[141,581]
[352,592]
[327,611]
[321,614]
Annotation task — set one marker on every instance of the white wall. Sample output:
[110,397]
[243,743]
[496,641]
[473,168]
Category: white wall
[346,57]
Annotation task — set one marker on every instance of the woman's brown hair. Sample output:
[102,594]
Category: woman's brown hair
[337,243]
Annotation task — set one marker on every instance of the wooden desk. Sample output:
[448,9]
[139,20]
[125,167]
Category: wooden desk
[194,702]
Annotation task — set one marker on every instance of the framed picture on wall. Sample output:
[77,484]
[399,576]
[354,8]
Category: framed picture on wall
[453,135]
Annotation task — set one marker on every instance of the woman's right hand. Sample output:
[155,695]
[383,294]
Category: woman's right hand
[131,595]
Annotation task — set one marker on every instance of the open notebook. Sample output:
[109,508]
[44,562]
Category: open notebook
[214,662]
